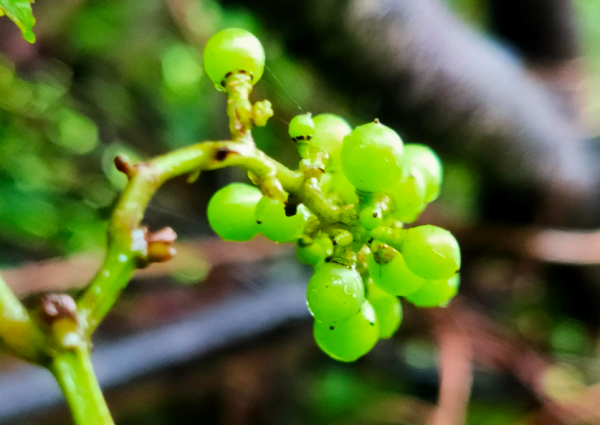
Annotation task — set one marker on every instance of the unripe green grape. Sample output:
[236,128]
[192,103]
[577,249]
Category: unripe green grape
[387,308]
[408,196]
[435,293]
[423,157]
[330,131]
[431,252]
[394,277]
[370,215]
[335,293]
[231,212]
[316,251]
[275,225]
[351,339]
[372,157]
[301,128]
[231,51]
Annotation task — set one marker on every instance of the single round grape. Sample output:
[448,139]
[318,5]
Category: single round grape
[351,339]
[408,196]
[335,293]
[431,252]
[423,157]
[275,225]
[387,309]
[330,131]
[435,293]
[231,51]
[315,252]
[372,157]
[231,212]
[302,128]
[370,215]
[394,277]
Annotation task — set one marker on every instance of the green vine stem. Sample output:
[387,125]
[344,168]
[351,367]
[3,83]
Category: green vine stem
[17,328]
[65,350]
[75,375]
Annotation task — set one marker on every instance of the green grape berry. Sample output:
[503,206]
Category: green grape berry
[387,308]
[422,157]
[335,293]
[372,157]
[275,225]
[315,252]
[330,131]
[431,252]
[435,293]
[351,339]
[232,51]
[302,128]
[408,196]
[370,215]
[393,276]
[231,212]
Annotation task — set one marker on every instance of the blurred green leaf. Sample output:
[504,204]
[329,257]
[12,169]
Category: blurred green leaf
[19,11]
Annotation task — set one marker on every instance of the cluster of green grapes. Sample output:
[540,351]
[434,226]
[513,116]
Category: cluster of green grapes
[362,264]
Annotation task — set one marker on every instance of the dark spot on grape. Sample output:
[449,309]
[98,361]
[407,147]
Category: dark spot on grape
[370,241]
[291,208]
[242,71]
[332,327]
[258,222]
[308,137]
[375,215]
[223,153]
[300,138]
[229,74]
[334,242]
[328,259]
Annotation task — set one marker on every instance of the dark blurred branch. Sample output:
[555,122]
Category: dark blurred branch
[456,373]
[545,34]
[540,30]
[547,245]
[441,83]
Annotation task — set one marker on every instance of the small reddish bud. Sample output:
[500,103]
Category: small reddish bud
[58,306]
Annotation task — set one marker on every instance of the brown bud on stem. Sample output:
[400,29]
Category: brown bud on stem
[58,306]
[159,247]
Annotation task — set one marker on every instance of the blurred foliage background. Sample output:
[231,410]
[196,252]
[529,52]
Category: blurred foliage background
[110,77]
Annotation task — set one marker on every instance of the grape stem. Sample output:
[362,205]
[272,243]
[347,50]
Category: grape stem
[17,328]
[128,248]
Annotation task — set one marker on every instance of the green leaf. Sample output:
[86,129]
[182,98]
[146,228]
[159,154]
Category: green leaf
[19,11]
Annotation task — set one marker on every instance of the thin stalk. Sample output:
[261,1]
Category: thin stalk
[74,372]
[17,329]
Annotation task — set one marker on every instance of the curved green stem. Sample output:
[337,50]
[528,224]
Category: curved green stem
[17,329]
[126,243]
[74,372]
